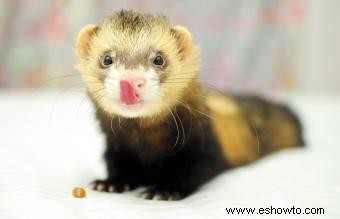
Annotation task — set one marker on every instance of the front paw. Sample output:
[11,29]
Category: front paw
[111,186]
[160,194]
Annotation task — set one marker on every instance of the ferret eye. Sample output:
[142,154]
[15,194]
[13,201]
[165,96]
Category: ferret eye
[159,61]
[107,61]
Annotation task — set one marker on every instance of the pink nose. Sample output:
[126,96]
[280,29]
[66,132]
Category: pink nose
[130,89]
[137,83]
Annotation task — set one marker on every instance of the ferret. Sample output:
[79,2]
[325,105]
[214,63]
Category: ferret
[163,130]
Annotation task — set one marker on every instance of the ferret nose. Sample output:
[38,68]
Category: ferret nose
[138,83]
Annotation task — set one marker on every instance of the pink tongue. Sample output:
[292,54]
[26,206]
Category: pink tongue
[127,93]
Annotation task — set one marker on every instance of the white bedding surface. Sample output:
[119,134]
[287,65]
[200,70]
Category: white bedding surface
[50,143]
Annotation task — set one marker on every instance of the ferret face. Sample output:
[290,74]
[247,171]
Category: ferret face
[136,65]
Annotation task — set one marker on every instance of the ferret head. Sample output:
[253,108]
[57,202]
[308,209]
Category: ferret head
[136,65]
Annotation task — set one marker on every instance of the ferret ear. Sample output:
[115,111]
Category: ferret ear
[184,41]
[83,40]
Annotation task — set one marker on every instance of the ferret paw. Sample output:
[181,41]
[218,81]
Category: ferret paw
[110,186]
[154,194]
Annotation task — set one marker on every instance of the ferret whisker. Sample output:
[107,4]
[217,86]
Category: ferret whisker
[182,79]
[175,82]
[95,110]
[59,95]
[176,124]
[190,112]
[180,121]
[96,107]
[45,82]
[120,127]
[97,98]
[198,71]
[194,94]
[86,97]
[197,95]
[186,105]
[199,110]
[204,114]
[199,123]
[185,79]
[79,105]
[92,81]
[177,127]
[213,87]
[113,132]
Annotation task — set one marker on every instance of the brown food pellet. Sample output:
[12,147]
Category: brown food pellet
[79,192]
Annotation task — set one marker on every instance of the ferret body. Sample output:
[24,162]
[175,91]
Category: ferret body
[164,131]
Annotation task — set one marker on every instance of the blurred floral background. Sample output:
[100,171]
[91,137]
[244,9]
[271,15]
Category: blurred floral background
[246,45]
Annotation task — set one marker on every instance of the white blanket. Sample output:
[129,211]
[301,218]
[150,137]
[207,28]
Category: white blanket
[50,143]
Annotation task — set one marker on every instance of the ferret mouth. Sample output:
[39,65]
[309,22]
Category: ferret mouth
[132,105]
[127,107]
[128,104]
[131,101]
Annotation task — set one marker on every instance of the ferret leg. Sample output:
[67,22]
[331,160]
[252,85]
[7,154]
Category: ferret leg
[183,174]
[122,173]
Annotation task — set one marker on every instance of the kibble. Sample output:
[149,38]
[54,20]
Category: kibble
[79,192]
